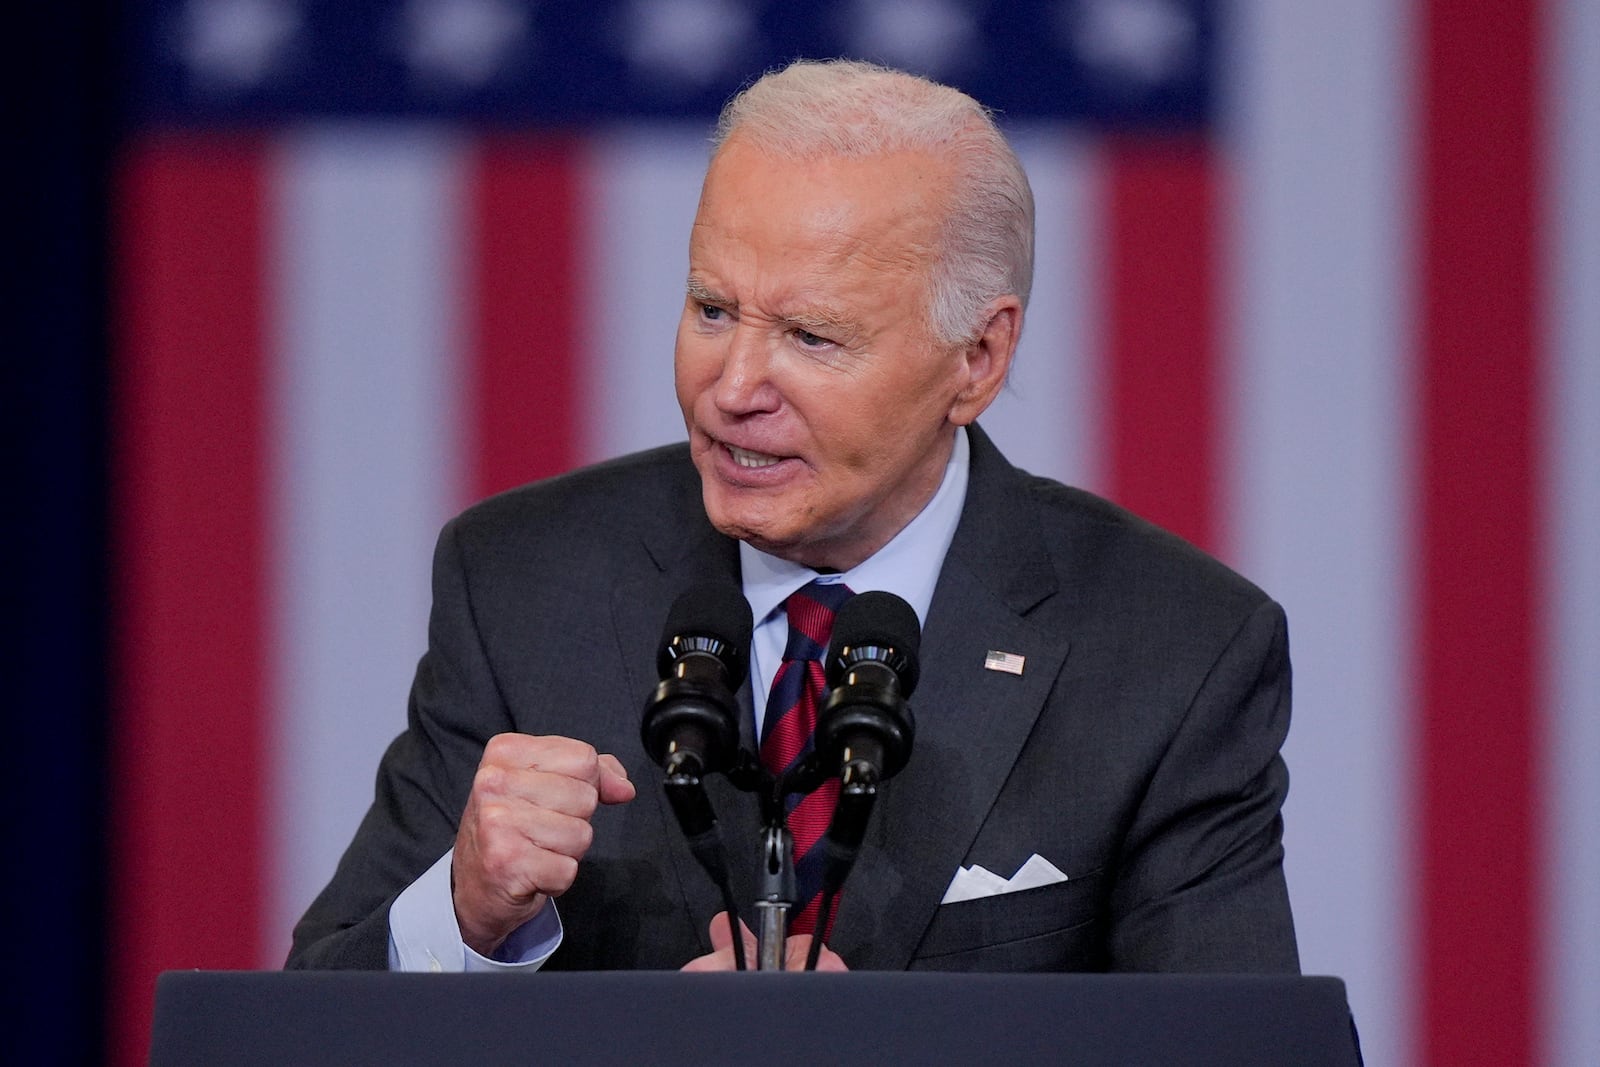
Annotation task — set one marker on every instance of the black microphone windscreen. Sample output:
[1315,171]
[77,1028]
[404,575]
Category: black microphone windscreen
[884,620]
[716,610]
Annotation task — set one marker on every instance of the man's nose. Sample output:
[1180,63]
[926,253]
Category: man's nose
[745,386]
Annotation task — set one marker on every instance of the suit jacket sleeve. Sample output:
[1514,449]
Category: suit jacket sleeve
[422,782]
[1200,882]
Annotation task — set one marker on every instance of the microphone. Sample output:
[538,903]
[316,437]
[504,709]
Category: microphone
[871,668]
[864,728]
[691,719]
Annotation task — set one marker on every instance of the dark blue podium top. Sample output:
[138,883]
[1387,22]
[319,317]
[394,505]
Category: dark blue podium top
[352,1018]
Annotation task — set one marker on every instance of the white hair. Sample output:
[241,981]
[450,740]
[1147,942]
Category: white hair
[853,109]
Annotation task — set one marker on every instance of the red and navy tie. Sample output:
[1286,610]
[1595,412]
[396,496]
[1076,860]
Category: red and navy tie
[786,733]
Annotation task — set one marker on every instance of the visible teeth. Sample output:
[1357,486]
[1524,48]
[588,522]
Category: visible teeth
[746,458]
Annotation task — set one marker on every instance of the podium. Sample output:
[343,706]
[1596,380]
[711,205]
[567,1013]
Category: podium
[666,1018]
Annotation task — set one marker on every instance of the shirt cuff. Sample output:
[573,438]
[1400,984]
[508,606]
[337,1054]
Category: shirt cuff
[423,935]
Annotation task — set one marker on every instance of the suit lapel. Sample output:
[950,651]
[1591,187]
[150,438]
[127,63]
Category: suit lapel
[639,608]
[971,722]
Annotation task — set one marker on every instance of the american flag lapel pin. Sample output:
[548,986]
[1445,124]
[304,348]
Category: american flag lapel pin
[1009,662]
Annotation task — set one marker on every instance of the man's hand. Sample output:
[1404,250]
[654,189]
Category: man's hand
[525,827]
[795,948]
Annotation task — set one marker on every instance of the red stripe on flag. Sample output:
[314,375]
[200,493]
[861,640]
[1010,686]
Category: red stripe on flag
[529,311]
[1160,371]
[188,521]
[1480,801]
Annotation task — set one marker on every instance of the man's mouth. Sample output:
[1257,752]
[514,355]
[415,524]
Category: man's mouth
[744,457]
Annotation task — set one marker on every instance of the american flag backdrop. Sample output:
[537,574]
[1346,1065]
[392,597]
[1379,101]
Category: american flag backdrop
[1318,287]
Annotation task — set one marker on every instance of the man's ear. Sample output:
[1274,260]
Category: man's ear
[988,360]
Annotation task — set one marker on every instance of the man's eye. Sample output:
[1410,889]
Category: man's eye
[711,313]
[811,340]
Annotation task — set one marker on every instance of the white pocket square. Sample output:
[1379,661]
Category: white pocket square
[973,882]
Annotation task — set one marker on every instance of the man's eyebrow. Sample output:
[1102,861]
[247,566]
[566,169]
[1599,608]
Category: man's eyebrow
[833,322]
[828,321]
[701,293]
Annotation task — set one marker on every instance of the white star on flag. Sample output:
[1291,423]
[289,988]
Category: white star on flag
[1147,41]
[688,41]
[465,42]
[236,43]
[932,37]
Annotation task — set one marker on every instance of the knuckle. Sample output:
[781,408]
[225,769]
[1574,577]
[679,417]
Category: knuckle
[499,748]
[563,872]
[492,818]
[586,800]
[489,779]
[496,855]
[584,835]
[586,763]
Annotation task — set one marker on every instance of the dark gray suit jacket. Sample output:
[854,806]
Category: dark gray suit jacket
[1137,751]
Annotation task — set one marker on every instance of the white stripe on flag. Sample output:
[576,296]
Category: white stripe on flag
[366,224]
[645,187]
[1318,420]
[1571,624]
[1046,419]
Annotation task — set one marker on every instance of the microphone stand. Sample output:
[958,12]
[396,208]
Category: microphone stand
[774,895]
[775,883]
[775,891]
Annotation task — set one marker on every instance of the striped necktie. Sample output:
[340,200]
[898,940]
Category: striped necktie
[786,735]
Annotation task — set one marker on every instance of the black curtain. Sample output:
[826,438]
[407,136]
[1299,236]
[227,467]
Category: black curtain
[53,403]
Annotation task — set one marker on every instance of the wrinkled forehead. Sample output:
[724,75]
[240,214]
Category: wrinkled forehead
[842,238]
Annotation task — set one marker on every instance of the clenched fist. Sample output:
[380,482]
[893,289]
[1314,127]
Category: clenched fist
[525,827]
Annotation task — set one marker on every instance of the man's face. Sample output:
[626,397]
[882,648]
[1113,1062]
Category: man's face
[820,408]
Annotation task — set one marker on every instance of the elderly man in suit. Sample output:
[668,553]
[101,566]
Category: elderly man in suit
[1101,705]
